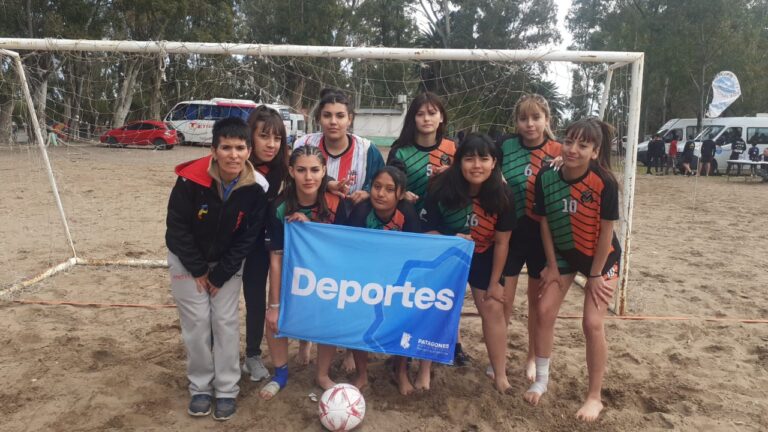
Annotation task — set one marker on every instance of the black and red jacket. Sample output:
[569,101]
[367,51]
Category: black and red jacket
[202,228]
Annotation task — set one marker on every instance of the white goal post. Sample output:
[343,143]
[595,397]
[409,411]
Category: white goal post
[614,59]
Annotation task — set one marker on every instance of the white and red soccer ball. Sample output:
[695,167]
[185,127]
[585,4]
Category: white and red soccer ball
[341,408]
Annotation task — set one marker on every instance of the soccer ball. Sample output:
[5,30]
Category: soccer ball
[341,407]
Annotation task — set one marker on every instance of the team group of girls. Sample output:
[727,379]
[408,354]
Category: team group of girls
[524,200]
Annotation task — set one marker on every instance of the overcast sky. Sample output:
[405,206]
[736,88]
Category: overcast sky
[559,72]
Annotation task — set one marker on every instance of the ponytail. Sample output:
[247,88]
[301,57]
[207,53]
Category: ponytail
[601,135]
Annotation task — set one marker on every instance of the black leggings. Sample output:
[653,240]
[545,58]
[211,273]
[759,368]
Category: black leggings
[255,293]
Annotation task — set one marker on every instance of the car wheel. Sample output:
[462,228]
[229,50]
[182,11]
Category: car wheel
[180,139]
[169,147]
[112,142]
[159,144]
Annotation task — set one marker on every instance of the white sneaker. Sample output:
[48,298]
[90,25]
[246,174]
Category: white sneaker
[255,367]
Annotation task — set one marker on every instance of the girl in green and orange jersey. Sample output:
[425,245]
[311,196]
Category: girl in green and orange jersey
[578,206]
[422,150]
[304,198]
[471,200]
[386,210]
[523,156]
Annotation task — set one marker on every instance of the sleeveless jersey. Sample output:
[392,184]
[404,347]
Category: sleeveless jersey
[520,165]
[420,163]
[275,227]
[471,219]
[574,210]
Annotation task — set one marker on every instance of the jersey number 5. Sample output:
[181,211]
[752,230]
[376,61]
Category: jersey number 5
[570,205]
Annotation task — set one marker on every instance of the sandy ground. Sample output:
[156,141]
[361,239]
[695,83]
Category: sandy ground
[87,368]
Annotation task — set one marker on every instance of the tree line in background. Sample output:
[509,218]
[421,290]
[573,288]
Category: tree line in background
[686,42]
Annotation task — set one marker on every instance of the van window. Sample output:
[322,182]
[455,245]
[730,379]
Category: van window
[709,132]
[180,112]
[757,135]
[691,131]
[730,135]
[674,134]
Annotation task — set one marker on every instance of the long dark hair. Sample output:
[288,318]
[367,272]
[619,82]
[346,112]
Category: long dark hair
[451,188]
[600,134]
[408,133]
[290,193]
[398,177]
[331,96]
[271,123]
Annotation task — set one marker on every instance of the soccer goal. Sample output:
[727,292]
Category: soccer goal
[79,195]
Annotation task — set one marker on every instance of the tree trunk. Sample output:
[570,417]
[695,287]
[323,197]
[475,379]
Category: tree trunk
[6,116]
[156,95]
[125,96]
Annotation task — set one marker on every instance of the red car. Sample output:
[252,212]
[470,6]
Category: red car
[145,132]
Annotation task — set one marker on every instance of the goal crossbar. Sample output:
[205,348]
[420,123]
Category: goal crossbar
[614,59]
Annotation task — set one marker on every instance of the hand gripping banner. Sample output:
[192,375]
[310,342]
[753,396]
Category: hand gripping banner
[373,290]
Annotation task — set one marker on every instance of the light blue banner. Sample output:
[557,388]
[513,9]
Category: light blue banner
[373,290]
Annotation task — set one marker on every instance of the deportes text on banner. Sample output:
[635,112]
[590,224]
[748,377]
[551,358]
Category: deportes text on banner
[380,291]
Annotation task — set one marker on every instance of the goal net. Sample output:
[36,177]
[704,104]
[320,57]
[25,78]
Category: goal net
[86,172]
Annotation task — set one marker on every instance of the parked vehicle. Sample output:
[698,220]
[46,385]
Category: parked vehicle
[143,133]
[194,119]
[675,129]
[725,130]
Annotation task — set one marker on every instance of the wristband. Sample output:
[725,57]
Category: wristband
[595,276]
[274,306]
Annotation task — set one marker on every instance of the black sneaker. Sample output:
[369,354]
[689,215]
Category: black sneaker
[460,358]
[200,405]
[225,409]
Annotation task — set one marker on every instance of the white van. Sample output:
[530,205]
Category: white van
[675,129]
[193,120]
[298,127]
[724,130]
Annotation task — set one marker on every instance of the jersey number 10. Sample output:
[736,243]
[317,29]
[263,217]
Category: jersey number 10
[570,205]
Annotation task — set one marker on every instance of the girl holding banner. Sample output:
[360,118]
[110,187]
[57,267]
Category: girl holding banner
[578,206]
[422,151]
[305,198]
[523,155]
[385,210]
[471,200]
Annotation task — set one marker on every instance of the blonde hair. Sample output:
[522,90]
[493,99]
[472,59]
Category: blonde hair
[530,102]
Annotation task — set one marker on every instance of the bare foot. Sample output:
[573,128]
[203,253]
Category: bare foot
[502,385]
[349,362]
[325,382]
[422,381]
[404,385]
[590,411]
[530,369]
[304,357]
[360,381]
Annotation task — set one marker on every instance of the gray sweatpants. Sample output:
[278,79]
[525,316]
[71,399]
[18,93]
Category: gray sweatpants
[210,328]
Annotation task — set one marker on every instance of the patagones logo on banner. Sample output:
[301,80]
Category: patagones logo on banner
[373,290]
[305,283]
